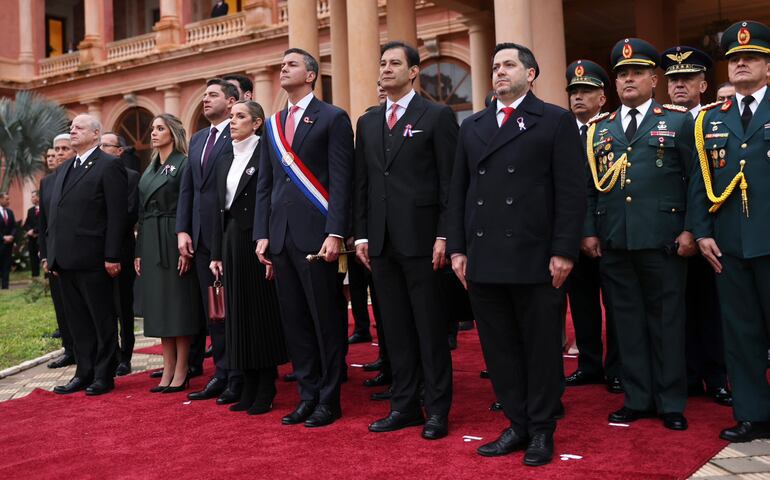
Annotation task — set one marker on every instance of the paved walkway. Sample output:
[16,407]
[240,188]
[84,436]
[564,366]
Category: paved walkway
[745,461]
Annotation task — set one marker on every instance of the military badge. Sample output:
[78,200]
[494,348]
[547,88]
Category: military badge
[659,162]
[726,106]
[744,36]
[657,111]
[579,70]
[628,50]
[612,116]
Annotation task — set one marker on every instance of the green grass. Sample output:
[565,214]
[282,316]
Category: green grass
[27,319]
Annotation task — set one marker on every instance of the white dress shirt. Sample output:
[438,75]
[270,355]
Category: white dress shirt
[402,102]
[758,96]
[83,157]
[220,128]
[695,111]
[302,104]
[242,153]
[501,105]
[626,118]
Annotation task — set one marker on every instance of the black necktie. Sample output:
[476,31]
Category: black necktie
[584,133]
[746,115]
[631,128]
[77,162]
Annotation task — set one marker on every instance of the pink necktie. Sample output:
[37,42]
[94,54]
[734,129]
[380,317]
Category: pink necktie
[392,118]
[291,125]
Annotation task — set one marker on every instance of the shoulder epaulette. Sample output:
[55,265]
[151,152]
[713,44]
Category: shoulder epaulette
[712,105]
[598,118]
[675,108]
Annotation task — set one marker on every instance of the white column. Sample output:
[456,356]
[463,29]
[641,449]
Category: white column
[550,50]
[303,32]
[512,21]
[364,35]
[338,12]
[480,36]
[26,40]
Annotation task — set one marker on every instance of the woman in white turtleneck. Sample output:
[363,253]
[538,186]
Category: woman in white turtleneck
[254,337]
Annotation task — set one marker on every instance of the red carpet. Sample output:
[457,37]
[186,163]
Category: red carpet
[131,433]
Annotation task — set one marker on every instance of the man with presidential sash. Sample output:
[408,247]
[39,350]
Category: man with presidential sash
[303,207]
[640,157]
[731,199]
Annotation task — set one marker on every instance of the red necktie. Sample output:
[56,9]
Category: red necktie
[393,118]
[5,217]
[508,111]
[291,125]
[37,211]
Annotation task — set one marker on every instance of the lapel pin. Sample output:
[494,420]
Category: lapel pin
[250,171]
[520,121]
[307,120]
[408,130]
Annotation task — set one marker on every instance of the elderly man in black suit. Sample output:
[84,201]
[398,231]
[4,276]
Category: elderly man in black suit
[85,228]
[517,204]
[404,154]
[303,211]
[196,217]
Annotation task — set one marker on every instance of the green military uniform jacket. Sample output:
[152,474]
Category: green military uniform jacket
[650,210]
[726,144]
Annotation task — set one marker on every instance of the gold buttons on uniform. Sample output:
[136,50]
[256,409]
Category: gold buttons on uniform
[628,199]
[673,210]
[628,181]
[629,149]
[628,164]
[744,146]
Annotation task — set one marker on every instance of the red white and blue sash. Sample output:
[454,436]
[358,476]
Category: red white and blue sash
[302,177]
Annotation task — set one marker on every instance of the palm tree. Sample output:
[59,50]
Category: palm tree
[28,125]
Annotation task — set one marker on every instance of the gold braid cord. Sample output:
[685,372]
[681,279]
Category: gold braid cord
[610,177]
[706,171]
[342,261]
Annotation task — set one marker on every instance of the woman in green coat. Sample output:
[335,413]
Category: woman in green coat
[169,286]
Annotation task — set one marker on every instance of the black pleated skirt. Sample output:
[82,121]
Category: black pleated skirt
[253,324]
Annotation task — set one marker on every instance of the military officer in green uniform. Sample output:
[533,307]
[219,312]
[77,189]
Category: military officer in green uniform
[686,78]
[586,84]
[640,157]
[731,201]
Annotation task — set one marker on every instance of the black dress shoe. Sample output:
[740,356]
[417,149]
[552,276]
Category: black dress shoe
[614,385]
[396,421]
[496,406]
[540,450]
[746,432]
[323,415]
[213,389]
[579,377]
[380,380]
[209,352]
[674,421]
[230,395]
[64,361]
[484,374]
[124,368]
[100,387]
[74,385]
[56,334]
[560,412]
[507,442]
[300,414]
[386,395]
[193,371]
[466,325]
[437,426]
[374,366]
[290,377]
[156,373]
[721,395]
[359,338]
[628,415]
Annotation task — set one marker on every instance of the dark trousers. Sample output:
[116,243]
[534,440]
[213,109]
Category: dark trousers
[358,285]
[5,264]
[647,291]
[704,343]
[520,332]
[125,302]
[90,312]
[416,334]
[316,336]
[34,256]
[382,343]
[744,295]
[585,300]
[61,318]
[215,329]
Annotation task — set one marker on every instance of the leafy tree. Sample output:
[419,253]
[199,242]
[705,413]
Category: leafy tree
[28,125]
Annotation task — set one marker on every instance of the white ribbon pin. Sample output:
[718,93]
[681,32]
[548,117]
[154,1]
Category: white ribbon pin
[520,121]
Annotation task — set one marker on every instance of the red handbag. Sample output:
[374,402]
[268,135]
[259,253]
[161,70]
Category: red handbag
[217,301]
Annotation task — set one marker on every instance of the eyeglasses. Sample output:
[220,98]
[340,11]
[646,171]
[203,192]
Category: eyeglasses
[111,145]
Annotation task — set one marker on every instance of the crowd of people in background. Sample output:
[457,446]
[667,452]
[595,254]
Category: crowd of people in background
[656,214]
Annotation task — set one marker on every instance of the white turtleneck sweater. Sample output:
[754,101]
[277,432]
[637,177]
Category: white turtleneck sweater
[242,152]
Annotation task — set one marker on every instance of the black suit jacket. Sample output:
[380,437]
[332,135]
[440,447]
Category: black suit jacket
[324,142]
[196,212]
[219,10]
[32,221]
[518,193]
[86,222]
[404,188]
[44,192]
[242,206]
[7,228]
[129,240]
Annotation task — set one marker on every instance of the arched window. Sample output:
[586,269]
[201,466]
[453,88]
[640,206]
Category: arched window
[134,125]
[448,81]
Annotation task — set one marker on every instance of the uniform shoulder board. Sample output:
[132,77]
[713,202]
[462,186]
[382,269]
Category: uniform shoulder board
[712,105]
[675,108]
[598,118]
